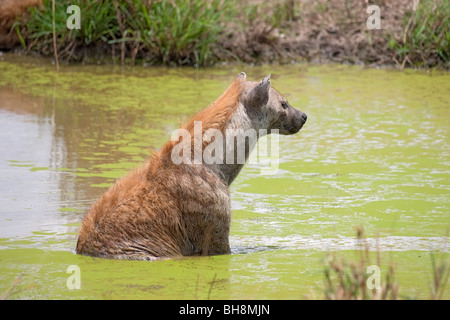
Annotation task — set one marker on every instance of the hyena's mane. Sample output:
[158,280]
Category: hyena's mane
[216,116]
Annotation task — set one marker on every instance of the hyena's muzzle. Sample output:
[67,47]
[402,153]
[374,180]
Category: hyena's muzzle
[292,121]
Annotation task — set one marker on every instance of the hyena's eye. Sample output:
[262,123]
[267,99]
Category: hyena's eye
[284,105]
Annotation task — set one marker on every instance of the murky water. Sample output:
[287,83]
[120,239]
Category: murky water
[374,153]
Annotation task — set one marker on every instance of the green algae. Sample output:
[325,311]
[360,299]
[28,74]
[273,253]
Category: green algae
[374,153]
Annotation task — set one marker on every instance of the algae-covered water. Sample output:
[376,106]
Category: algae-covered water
[375,152]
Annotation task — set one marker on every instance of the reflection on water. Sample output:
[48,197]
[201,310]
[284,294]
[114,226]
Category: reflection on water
[58,154]
[375,152]
[28,192]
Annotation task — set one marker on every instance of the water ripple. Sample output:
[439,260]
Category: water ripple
[296,242]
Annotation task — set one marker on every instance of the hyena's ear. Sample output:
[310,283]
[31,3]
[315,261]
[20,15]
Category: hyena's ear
[242,76]
[259,96]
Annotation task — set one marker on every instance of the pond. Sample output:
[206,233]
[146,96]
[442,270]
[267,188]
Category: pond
[374,153]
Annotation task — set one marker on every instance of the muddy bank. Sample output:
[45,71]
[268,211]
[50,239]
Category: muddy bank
[412,33]
[337,31]
[321,31]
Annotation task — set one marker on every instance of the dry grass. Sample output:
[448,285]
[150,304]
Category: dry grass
[349,280]
[441,272]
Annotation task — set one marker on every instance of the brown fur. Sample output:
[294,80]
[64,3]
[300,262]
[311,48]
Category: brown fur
[10,12]
[215,116]
[150,199]
[165,209]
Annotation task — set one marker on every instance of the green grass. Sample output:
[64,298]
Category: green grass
[203,32]
[182,32]
[97,18]
[178,32]
[426,36]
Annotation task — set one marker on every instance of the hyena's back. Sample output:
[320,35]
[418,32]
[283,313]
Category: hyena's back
[180,210]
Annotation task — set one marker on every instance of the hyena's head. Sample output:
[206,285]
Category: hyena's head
[268,109]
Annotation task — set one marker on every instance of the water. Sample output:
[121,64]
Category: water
[374,153]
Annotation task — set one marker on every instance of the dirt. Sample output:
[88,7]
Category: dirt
[324,31]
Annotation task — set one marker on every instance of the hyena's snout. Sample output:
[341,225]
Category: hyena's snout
[297,120]
[303,118]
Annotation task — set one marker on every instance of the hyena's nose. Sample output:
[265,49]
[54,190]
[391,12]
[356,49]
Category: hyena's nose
[304,116]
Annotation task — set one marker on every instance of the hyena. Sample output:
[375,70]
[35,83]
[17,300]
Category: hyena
[167,209]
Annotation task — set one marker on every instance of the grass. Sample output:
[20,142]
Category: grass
[97,18]
[275,15]
[204,32]
[354,281]
[5,295]
[441,272]
[426,37]
[180,32]
[351,280]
